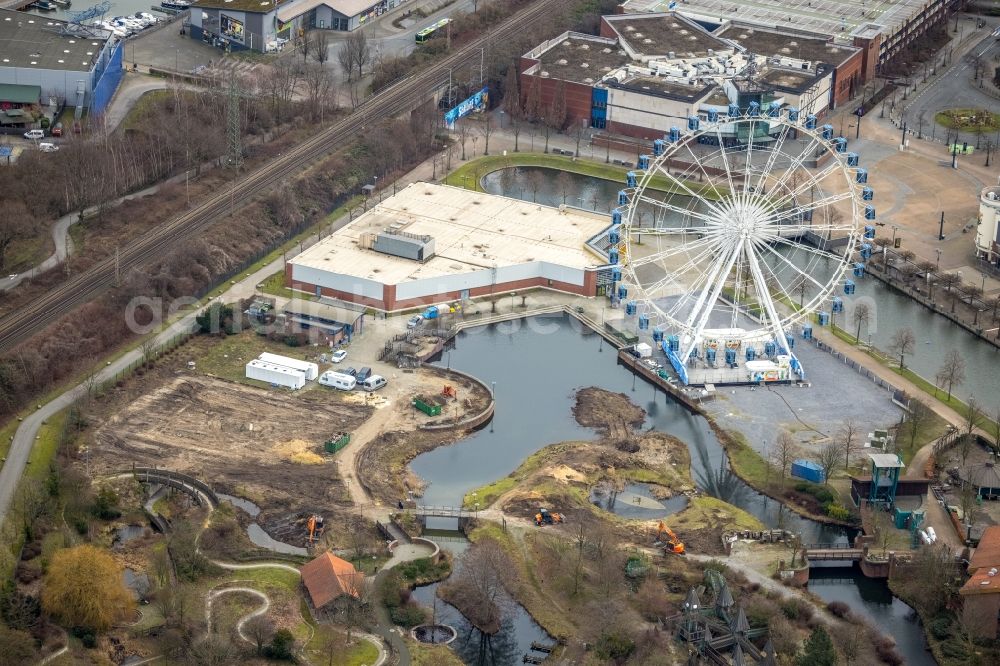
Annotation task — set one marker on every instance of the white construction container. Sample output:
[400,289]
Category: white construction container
[338,380]
[310,370]
[643,350]
[273,373]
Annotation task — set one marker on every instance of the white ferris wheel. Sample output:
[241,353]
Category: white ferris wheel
[736,231]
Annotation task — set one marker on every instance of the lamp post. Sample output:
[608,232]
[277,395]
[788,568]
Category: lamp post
[512,295]
[937,266]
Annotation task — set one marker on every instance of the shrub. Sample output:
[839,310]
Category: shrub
[105,505]
[823,495]
[796,609]
[885,649]
[408,615]
[281,646]
[614,645]
[837,512]
[940,627]
[86,636]
[839,608]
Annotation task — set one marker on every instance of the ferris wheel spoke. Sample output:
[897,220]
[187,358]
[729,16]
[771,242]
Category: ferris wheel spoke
[816,251]
[812,180]
[769,165]
[704,243]
[684,186]
[764,295]
[698,318]
[787,262]
[725,158]
[680,210]
[816,204]
[699,163]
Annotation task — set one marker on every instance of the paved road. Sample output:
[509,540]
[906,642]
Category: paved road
[955,87]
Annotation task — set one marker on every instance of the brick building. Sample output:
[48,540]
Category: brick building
[646,73]
[981,593]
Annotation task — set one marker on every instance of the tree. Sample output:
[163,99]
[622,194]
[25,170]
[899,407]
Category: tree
[479,585]
[973,417]
[84,588]
[281,646]
[564,183]
[782,454]
[15,223]
[918,418]
[354,54]
[319,89]
[818,649]
[902,343]
[861,315]
[995,427]
[949,280]
[534,110]
[848,433]
[16,647]
[952,371]
[306,46]
[259,629]
[882,529]
[463,133]
[829,457]
[321,47]
[486,129]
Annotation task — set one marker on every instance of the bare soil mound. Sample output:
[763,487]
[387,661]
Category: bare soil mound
[613,414]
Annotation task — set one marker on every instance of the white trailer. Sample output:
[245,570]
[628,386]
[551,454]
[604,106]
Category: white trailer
[273,373]
[310,370]
[338,380]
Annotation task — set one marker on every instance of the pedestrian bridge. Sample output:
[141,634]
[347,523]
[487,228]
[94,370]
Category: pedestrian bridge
[441,512]
[831,552]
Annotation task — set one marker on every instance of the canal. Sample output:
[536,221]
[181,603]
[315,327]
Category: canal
[544,360]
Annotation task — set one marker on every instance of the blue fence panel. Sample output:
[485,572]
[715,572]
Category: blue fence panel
[105,87]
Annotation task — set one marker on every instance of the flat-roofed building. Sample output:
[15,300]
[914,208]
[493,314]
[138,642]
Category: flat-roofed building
[482,245]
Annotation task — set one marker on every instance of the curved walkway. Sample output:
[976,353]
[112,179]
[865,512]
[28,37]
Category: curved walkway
[215,594]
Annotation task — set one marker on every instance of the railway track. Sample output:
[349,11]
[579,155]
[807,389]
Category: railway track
[398,98]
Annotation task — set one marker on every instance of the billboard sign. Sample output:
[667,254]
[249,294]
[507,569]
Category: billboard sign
[477,102]
[231,27]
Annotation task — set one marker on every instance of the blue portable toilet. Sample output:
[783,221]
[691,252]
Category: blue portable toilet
[852,159]
[793,114]
[753,110]
[710,356]
[790,339]
[867,193]
[616,274]
[674,134]
[774,109]
[869,231]
[643,321]
[840,144]
[734,110]
[673,343]
[693,122]
[866,251]
[861,176]
[730,357]
[811,122]
[826,131]
[658,334]
[713,115]
[693,354]
[859,270]
[659,146]
[869,212]
[622,198]
[613,255]
[643,161]
[630,179]
[838,304]
[808,470]
[807,331]
[769,348]
[616,216]
[630,308]
[848,288]
[622,292]
[823,318]
[751,353]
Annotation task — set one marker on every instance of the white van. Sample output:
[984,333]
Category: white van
[338,380]
[373,383]
[34,135]
[46,147]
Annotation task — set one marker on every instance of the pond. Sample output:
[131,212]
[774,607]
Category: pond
[637,501]
[891,310]
[127,533]
[544,360]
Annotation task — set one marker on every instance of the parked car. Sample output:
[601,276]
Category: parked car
[338,356]
[363,374]
[34,134]
[373,383]
[46,147]
[414,321]
[57,129]
[351,371]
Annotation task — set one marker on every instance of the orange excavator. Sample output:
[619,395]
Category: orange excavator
[546,517]
[666,538]
[315,525]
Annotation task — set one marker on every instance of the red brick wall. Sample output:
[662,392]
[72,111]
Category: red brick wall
[869,56]
[578,96]
[847,80]
[607,30]
[389,302]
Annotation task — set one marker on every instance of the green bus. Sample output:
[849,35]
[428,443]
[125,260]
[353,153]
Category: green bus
[430,30]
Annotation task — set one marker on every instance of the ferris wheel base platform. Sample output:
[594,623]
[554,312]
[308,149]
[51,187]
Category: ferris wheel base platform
[753,373]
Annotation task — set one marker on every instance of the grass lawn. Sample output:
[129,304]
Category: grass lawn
[275,285]
[469,174]
[705,511]
[968,120]
[25,253]
[422,654]
[359,653]
[228,356]
[49,438]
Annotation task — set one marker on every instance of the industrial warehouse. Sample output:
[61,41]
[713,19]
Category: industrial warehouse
[431,243]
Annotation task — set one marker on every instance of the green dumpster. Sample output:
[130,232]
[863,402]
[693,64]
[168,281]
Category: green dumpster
[426,407]
[337,442]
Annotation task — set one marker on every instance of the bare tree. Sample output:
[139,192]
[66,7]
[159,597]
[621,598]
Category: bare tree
[902,343]
[861,315]
[916,421]
[536,179]
[882,529]
[306,46]
[259,629]
[463,133]
[147,349]
[564,183]
[321,47]
[973,417]
[829,457]
[995,428]
[15,223]
[848,433]
[486,129]
[354,54]
[481,582]
[968,502]
[782,454]
[319,88]
[952,371]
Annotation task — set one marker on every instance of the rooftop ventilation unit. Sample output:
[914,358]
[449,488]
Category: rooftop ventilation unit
[405,245]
